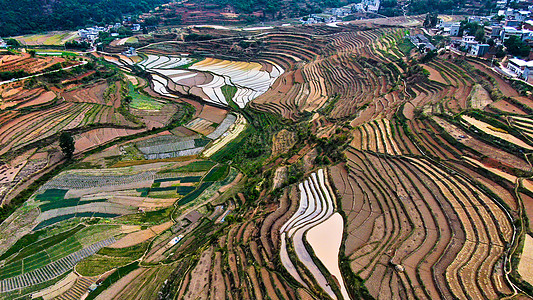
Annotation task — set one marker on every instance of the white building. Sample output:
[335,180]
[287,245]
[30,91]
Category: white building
[507,32]
[454,29]
[468,42]
[130,52]
[514,14]
[90,33]
[372,5]
[520,67]
[3,43]
[479,49]
[501,3]
[479,19]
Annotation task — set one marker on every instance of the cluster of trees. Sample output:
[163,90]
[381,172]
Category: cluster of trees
[197,37]
[473,28]
[77,45]
[12,75]
[392,7]
[274,8]
[515,46]
[28,16]
[431,20]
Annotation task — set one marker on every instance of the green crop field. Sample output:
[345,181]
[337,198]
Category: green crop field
[218,173]
[228,91]
[190,197]
[65,248]
[133,252]
[141,101]
[197,166]
[99,264]
[26,248]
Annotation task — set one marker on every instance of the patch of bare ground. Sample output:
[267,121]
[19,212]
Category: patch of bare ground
[479,97]
[141,236]
[434,74]
[507,107]
[218,287]
[528,206]
[199,287]
[488,150]
[280,175]
[282,142]
[16,226]
[213,114]
[525,266]
[495,187]
[115,289]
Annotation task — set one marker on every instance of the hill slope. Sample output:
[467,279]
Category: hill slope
[27,16]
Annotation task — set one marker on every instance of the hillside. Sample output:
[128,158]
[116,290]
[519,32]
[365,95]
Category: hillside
[325,161]
[27,16]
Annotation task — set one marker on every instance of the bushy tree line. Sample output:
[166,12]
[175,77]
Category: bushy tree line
[416,7]
[29,16]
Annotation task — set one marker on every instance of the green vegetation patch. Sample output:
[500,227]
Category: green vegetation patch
[64,248]
[190,197]
[133,252]
[217,173]
[67,203]
[201,142]
[184,190]
[229,92]
[405,46]
[11,270]
[152,217]
[28,245]
[33,262]
[163,189]
[51,195]
[185,179]
[141,101]
[58,219]
[197,166]
[98,264]
[119,273]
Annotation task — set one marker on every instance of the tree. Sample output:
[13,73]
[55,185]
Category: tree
[431,20]
[480,34]
[499,52]
[66,142]
[515,46]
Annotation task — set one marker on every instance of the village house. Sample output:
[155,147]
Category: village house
[520,67]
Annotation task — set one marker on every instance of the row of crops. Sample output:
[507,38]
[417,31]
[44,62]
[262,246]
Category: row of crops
[208,78]
[170,146]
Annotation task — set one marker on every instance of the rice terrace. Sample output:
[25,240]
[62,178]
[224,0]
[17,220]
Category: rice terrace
[374,157]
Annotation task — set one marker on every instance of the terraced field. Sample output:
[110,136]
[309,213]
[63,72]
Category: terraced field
[208,79]
[311,162]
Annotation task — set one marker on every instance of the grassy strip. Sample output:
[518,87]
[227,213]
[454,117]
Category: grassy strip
[67,203]
[135,251]
[32,248]
[190,197]
[218,173]
[7,210]
[152,217]
[229,92]
[196,166]
[58,219]
[118,274]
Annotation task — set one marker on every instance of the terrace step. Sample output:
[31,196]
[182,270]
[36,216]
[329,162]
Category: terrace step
[78,289]
[53,269]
